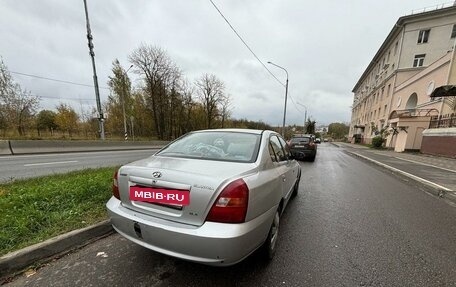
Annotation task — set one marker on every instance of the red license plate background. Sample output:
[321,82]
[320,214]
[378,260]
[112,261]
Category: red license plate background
[160,195]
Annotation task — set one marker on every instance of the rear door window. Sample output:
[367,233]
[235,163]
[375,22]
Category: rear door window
[277,148]
[285,147]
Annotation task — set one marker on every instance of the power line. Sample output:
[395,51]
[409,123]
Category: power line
[59,98]
[251,51]
[239,36]
[67,99]
[55,80]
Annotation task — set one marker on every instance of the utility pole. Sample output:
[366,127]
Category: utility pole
[286,94]
[305,117]
[305,121]
[95,79]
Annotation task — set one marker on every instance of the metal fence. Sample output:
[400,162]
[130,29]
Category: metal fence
[443,121]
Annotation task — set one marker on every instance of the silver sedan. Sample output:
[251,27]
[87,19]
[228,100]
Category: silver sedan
[212,196]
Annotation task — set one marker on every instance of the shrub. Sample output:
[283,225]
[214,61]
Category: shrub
[377,142]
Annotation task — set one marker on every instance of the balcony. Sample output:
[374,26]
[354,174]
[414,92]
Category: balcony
[443,121]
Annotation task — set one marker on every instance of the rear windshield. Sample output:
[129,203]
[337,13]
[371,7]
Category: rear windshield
[300,140]
[225,146]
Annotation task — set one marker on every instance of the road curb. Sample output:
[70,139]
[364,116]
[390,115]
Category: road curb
[42,252]
[437,190]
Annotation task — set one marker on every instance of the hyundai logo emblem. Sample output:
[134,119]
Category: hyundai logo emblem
[156,174]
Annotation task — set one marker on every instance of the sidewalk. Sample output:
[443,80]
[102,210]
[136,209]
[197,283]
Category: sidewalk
[34,256]
[438,173]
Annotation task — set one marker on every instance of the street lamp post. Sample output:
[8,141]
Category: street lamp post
[286,95]
[305,116]
[124,94]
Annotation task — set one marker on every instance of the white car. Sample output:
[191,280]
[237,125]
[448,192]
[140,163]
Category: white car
[212,196]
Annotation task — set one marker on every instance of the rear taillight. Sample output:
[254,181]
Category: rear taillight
[115,186]
[231,204]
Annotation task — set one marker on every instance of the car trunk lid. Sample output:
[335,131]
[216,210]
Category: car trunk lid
[200,181]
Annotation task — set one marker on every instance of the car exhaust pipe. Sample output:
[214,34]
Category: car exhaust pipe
[137,230]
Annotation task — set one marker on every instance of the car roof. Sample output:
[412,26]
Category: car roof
[250,131]
[302,136]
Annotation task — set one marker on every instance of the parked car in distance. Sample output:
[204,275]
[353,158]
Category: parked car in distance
[317,140]
[303,147]
[212,196]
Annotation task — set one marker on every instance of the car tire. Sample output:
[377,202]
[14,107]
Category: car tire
[313,158]
[270,245]
[296,187]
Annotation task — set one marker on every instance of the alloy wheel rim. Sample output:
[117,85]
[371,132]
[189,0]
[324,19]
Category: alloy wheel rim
[274,231]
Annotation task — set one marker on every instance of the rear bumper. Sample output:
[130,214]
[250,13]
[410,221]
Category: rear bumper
[303,153]
[212,243]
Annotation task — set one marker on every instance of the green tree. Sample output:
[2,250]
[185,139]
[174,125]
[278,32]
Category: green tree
[119,102]
[310,126]
[380,135]
[66,119]
[338,130]
[45,120]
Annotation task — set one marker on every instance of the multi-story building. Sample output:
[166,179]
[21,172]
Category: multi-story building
[394,92]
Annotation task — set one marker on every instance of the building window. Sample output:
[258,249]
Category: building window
[395,48]
[423,36]
[419,60]
[384,110]
[388,91]
[453,32]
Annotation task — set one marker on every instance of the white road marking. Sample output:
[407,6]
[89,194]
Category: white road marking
[49,163]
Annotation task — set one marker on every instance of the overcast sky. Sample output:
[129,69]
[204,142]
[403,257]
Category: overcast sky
[325,46]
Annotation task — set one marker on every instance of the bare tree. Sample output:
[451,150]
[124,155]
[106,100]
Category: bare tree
[187,91]
[225,109]
[16,105]
[211,92]
[160,77]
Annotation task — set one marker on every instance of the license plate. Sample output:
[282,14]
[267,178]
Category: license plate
[298,146]
[160,195]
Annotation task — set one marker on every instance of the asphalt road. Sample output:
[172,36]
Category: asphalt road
[26,166]
[352,224]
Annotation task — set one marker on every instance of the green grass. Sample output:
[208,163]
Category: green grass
[37,209]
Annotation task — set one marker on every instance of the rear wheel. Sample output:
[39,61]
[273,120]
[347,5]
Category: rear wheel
[270,245]
[296,186]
